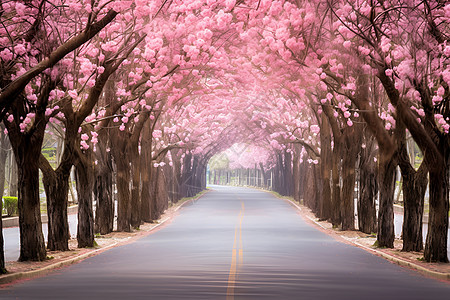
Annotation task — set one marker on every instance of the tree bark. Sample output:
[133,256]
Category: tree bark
[436,243]
[387,172]
[336,218]
[104,210]
[85,183]
[13,177]
[146,174]
[3,156]
[414,188]
[367,215]
[349,177]
[32,246]
[325,168]
[56,186]
[135,221]
[123,193]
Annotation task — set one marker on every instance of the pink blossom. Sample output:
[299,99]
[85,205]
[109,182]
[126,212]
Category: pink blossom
[122,127]
[84,145]
[20,49]
[6,54]
[315,129]
[84,137]
[72,93]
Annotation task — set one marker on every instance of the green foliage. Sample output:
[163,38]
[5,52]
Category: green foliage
[49,153]
[10,206]
[219,162]
[3,270]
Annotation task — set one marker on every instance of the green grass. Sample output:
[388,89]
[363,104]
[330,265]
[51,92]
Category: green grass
[184,199]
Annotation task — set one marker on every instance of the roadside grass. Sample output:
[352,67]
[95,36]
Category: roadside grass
[185,199]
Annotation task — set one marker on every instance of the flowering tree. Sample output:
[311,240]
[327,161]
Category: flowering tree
[27,88]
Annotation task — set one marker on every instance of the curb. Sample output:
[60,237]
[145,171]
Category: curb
[8,278]
[396,260]
[14,221]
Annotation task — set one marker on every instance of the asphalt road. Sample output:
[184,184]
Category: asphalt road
[234,243]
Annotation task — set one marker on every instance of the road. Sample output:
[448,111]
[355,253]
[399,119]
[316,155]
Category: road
[233,243]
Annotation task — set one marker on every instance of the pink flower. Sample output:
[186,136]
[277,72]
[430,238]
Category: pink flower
[72,93]
[157,134]
[84,145]
[315,129]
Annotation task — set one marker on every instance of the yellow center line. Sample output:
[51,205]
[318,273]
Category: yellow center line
[235,265]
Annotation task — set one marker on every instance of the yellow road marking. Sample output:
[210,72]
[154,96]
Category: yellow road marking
[235,265]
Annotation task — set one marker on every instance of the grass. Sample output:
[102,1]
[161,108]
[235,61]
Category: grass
[184,199]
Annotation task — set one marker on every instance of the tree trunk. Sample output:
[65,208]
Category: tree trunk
[56,186]
[436,243]
[186,175]
[123,193]
[288,173]
[32,245]
[348,180]
[414,188]
[135,187]
[3,156]
[310,189]
[146,177]
[85,183]
[336,218]
[387,172]
[325,169]
[317,188]
[296,176]
[13,178]
[104,210]
[367,217]
[367,212]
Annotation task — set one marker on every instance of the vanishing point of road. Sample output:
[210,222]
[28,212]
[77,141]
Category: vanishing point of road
[233,243]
